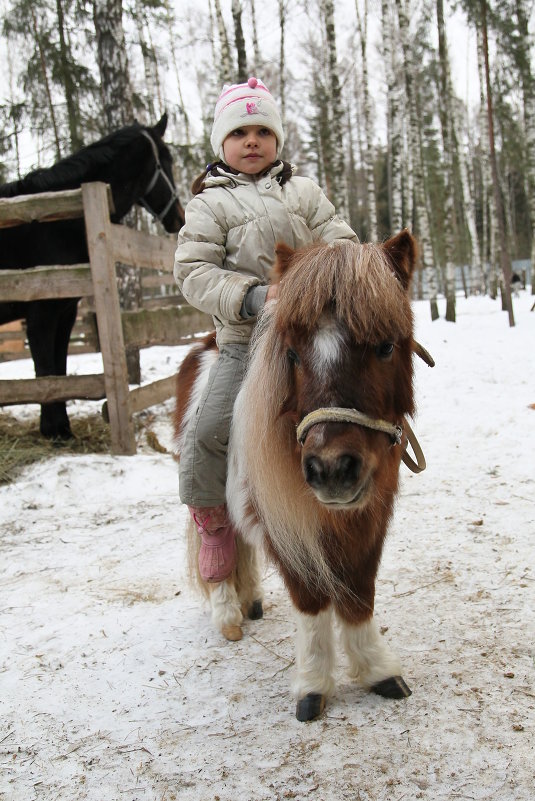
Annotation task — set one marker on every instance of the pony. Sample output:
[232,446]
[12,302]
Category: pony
[137,165]
[318,433]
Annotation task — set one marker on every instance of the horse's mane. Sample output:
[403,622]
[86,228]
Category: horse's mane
[71,171]
[355,281]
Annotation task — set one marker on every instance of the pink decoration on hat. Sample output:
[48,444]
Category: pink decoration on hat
[251,108]
[252,82]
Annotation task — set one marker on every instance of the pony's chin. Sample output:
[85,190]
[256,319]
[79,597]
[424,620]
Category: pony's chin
[353,503]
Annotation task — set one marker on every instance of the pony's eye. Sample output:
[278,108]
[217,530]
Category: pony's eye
[384,350]
[293,358]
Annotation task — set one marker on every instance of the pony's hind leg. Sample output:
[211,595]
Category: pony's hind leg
[371,661]
[314,663]
[226,611]
[249,583]
[224,602]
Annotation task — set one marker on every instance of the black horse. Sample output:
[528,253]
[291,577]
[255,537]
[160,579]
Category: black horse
[137,165]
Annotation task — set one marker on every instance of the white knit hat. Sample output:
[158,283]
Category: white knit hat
[243,104]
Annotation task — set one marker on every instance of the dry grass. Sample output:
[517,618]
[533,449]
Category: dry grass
[21,443]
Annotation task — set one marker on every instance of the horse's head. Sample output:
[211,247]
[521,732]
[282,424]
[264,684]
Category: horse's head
[344,326]
[159,195]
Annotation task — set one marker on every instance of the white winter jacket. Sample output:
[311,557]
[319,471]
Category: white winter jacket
[227,244]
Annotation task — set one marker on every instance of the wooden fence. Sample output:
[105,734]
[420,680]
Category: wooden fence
[107,244]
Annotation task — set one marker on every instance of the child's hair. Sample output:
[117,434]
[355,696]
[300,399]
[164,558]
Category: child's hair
[212,169]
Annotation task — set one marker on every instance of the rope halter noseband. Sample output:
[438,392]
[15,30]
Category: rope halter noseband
[335,414]
[158,173]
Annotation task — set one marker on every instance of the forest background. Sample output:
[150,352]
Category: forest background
[382,104]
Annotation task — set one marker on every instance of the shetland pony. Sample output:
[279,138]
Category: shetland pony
[317,437]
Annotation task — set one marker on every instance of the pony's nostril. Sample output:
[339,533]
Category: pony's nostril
[348,469]
[314,470]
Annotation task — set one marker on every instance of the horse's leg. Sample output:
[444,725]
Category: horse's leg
[371,660]
[43,321]
[314,663]
[249,582]
[224,602]
[226,611]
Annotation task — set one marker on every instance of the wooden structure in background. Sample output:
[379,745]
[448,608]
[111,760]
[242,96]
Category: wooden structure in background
[108,243]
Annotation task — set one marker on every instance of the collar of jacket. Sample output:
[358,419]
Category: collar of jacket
[228,178]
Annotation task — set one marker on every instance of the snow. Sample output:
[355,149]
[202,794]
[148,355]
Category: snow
[113,683]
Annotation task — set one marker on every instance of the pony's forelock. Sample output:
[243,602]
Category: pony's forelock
[355,281]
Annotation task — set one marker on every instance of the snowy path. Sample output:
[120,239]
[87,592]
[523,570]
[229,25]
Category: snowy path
[113,684]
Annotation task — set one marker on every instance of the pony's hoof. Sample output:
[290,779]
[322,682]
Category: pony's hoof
[256,611]
[232,633]
[310,707]
[394,687]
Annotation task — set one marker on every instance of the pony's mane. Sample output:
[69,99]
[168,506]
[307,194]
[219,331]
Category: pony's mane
[355,281]
[71,171]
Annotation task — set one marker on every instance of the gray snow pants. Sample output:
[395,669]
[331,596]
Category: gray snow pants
[203,459]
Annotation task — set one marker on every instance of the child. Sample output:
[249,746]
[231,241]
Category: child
[243,205]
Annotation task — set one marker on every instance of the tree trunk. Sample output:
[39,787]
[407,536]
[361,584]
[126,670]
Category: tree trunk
[225,67]
[118,111]
[338,177]
[46,83]
[394,120]
[240,41]
[415,145]
[113,63]
[369,156]
[282,60]
[152,92]
[505,259]
[488,206]
[257,66]
[446,118]
[526,46]
[68,83]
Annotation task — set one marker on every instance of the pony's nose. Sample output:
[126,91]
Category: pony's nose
[337,474]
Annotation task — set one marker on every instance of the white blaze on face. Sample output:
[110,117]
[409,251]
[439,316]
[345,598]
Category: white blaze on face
[327,346]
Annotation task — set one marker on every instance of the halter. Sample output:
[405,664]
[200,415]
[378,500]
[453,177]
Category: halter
[158,173]
[336,414]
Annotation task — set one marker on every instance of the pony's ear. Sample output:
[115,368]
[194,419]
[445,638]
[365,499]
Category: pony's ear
[161,125]
[283,255]
[402,252]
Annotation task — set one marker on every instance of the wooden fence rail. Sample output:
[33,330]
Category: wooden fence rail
[108,243]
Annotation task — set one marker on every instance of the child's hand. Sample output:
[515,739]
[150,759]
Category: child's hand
[272,292]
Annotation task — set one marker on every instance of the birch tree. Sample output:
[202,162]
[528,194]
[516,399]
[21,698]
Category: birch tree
[225,66]
[257,57]
[239,40]
[448,142]
[113,63]
[523,53]
[338,167]
[369,156]
[421,209]
[394,114]
[505,260]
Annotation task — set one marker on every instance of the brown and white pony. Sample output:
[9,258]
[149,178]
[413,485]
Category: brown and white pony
[332,357]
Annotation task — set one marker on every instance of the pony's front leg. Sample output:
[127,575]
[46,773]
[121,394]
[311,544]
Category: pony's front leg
[314,663]
[371,661]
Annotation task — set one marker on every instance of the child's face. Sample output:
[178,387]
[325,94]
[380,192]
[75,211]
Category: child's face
[250,149]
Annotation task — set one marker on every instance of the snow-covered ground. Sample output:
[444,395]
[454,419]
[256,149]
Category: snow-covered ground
[113,684]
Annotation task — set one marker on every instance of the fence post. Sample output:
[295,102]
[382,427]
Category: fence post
[102,260]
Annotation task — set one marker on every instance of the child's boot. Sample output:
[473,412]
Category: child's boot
[217,555]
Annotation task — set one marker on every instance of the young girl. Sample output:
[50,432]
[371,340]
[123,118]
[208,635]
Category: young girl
[243,205]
